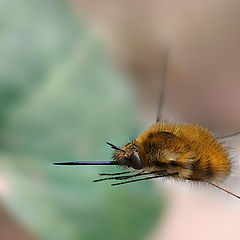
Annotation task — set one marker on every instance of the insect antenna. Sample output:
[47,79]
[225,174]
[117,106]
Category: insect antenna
[223,189]
[114,147]
[143,179]
[163,83]
[87,163]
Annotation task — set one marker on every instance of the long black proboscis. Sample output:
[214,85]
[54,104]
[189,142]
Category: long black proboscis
[87,163]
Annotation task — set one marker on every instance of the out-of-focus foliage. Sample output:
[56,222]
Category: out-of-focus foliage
[61,98]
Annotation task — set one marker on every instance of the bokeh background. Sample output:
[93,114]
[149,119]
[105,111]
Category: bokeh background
[75,74]
[62,98]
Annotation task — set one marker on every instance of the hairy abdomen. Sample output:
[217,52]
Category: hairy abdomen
[190,151]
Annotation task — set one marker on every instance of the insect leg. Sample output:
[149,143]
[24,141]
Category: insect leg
[229,136]
[114,174]
[143,179]
[129,176]
[223,189]
[121,177]
[163,83]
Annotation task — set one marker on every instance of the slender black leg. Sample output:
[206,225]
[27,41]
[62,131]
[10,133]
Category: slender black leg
[114,174]
[142,179]
[162,87]
[229,136]
[121,177]
[142,173]
[223,189]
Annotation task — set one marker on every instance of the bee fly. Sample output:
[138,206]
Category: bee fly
[183,151]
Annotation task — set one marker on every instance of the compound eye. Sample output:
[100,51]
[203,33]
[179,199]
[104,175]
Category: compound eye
[135,161]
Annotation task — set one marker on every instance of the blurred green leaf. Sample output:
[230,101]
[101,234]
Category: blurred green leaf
[61,98]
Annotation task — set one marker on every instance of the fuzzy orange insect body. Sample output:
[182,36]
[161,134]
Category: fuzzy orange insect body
[190,152]
[170,150]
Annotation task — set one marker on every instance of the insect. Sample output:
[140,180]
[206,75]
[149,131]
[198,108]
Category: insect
[170,150]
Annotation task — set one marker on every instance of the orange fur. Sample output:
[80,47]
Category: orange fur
[189,150]
[170,150]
